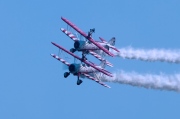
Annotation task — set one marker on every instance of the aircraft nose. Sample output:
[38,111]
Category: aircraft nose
[72,68]
[76,44]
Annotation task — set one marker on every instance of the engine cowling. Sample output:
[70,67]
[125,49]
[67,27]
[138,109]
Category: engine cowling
[74,68]
[78,44]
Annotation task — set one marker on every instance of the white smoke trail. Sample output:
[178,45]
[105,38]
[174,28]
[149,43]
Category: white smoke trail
[172,56]
[162,81]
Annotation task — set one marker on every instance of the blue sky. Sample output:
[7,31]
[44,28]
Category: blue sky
[32,83]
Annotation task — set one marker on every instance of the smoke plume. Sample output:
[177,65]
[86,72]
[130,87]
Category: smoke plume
[150,81]
[172,56]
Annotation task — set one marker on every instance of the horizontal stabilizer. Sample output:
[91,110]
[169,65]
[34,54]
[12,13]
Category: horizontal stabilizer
[110,43]
[104,41]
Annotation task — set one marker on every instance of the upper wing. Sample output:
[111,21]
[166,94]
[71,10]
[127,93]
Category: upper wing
[60,59]
[86,36]
[69,34]
[86,62]
[99,57]
[92,78]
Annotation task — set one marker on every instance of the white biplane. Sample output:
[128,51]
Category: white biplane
[90,46]
[83,70]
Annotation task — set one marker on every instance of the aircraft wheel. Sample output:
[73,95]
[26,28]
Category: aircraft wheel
[66,74]
[79,82]
[72,50]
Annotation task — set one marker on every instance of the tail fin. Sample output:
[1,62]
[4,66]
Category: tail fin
[103,64]
[112,41]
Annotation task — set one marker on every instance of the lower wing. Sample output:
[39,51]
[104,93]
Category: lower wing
[100,58]
[92,78]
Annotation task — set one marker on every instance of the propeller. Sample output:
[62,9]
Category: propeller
[64,56]
[75,60]
[64,67]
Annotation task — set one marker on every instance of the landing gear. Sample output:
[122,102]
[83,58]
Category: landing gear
[72,50]
[79,81]
[83,57]
[66,74]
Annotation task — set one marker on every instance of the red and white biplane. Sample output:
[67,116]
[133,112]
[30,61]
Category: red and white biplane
[90,45]
[82,70]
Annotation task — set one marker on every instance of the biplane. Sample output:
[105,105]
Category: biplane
[90,46]
[88,69]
